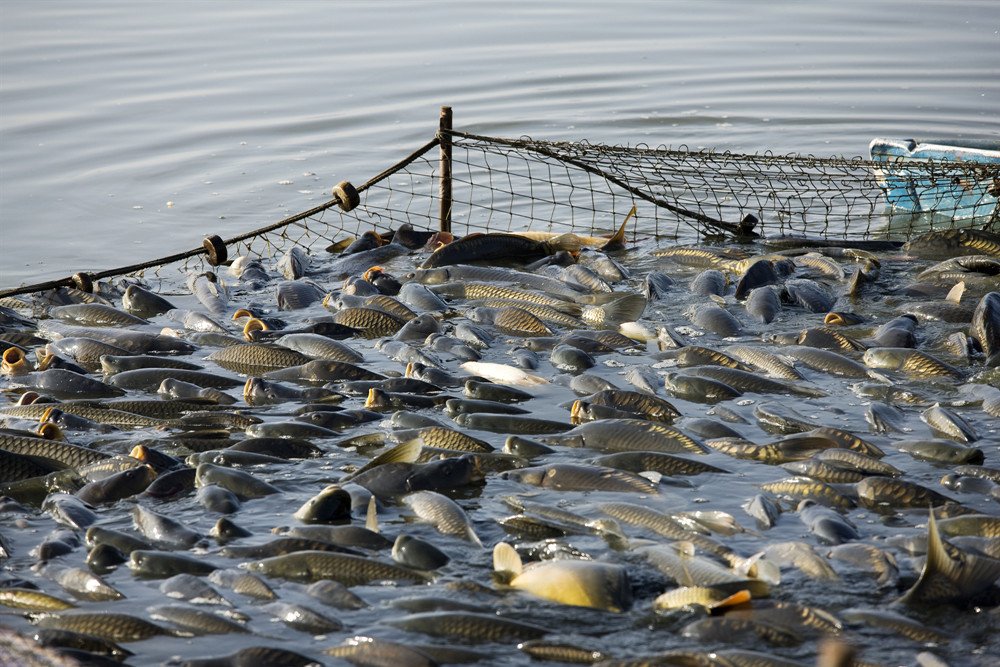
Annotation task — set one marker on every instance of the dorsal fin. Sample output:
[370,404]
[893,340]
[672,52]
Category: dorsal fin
[956,292]
[569,242]
[506,560]
[371,518]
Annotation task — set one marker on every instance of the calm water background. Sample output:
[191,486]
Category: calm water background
[240,113]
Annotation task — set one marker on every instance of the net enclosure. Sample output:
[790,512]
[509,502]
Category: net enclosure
[463,182]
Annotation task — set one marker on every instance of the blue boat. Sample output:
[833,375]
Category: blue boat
[937,178]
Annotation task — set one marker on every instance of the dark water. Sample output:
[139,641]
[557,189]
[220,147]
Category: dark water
[130,133]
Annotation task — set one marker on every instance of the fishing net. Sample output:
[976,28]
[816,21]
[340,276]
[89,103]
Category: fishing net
[689,196]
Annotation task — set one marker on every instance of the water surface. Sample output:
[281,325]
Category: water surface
[127,133]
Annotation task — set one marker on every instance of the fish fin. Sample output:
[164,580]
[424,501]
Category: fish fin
[878,377]
[617,242]
[471,534]
[506,560]
[736,599]
[404,453]
[629,308]
[569,242]
[611,532]
[651,475]
[572,309]
[956,292]
[371,518]
[684,549]
[965,576]
[759,567]
[805,390]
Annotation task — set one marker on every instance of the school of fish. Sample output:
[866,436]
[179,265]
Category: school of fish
[503,448]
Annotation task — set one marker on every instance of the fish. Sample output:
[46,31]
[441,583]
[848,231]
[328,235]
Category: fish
[731,628]
[194,621]
[580,583]
[361,650]
[666,526]
[622,435]
[304,619]
[502,374]
[257,358]
[29,599]
[664,464]
[241,483]
[487,246]
[946,422]
[871,559]
[716,320]
[469,627]
[163,530]
[417,554]
[144,303]
[256,655]
[912,362]
[706,597]
[575,477]
[679,562]
[763,304]
[443,513]
[828,526]
[95,315]
[106,625]
[985,325]
[898,493]
[950,575]
[698,389]
[942,451]
[311,566]
[942,244]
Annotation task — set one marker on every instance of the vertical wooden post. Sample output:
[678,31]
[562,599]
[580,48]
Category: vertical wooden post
[444,126]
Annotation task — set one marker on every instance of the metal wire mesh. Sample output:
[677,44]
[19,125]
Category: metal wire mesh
[518,184]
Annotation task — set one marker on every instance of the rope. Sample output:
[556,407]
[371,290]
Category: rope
[504,184]
[75,280]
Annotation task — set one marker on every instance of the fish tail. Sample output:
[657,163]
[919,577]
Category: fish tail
[626,309]
[617,242]
[506,563]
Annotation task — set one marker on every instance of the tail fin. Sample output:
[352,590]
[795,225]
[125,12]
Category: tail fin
[506,562]
[736,599]
[626,309]
[617,242]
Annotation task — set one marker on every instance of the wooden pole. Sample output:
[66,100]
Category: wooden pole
[444,127]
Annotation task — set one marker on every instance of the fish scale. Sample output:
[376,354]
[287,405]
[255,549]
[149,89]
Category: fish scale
[63,452]
[256,358]
[474,290]
[617,435]
[665,526]
[541,311]
[107,625]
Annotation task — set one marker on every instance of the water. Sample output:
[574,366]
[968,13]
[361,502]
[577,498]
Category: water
[129,133]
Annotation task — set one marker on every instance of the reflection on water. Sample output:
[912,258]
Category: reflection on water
[130,133]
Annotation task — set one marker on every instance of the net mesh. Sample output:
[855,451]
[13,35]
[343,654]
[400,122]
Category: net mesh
[687,195]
